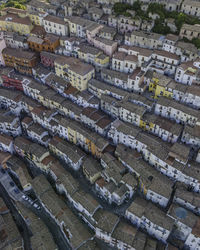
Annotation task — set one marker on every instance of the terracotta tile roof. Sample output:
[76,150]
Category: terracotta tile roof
[16,19]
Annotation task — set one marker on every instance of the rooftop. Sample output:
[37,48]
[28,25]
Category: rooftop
[54,19]
[18,53]
[106,221]
[125,233]
[158,217]
[183,215]
[92,166]
[16,19]
[138,207]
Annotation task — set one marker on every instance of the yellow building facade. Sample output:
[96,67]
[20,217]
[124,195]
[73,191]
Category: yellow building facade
[102,60]
[76,72]
[158,88]
[14,23]
[35,19]
[147,126]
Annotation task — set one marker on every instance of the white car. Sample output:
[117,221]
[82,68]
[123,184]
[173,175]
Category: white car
[30,201]
[25,197]
[35,205]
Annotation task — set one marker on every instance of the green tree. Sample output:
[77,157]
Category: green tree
[136,6]
[127,14]
[196,42]
[180,20]
[19,4]
[160,27]
[120,8]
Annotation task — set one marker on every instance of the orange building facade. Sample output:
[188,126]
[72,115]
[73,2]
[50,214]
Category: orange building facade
[48,43]
[22,61]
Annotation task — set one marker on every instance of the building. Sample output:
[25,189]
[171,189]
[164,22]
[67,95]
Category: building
[95,13]
[19,170]
[154,151]
[162,85]
[41,236]
[191,7]
[75,71]
[14,40]
[186,199]
[143,55]
[170,22]
[166,129]
[69,45]
[9,124]
[170,42]
[71,154]
[93,56]
[118,79]
[91,169]
[164,62]
[6,143]
[22,61]
[124,63]
[49,43]
[48,59]
[147,216]
[38,31]
[177,111]
[15,23]
[37,17]
[127,236]
[38,134]
[126,111]
[39,6]
[2,47]
[104,225]
[11,79]
[186,226]
[106,45]
[187,73]
[96,120]
[128,24]
[55,25]
[11,99]
[71,227]
[190,31]
[99,88]
[147,25]
[16,11]
[112,21]
[108,32]
[66,184]
[31,151]
[187,51]
[10,235]
[191,136]
[171,5]
[147,177]
[82,27]
[144,39]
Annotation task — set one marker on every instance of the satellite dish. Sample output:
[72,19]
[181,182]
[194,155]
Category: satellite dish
[181,213]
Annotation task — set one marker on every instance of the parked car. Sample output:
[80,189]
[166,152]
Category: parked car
[12,184]
[16,190]
[35,205]
[25,197]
